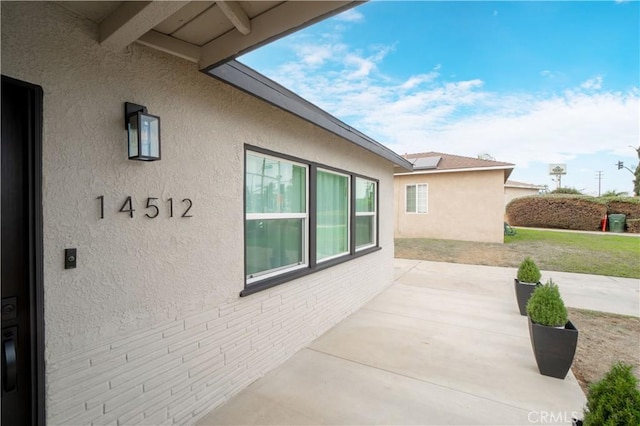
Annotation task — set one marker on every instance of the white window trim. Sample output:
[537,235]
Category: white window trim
[374,213]
[417,185]
[259,276]
[348,251]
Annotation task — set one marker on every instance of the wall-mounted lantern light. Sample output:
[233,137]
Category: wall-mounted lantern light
[143,132]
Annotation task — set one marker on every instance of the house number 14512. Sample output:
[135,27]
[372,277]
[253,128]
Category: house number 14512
[152,207]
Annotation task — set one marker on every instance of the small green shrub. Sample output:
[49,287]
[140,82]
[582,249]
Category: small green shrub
[573,191]
[528,271]
[614,400]
[546,307]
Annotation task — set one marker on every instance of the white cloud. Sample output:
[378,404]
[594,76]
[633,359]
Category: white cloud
[594,83]
[425,111]
[316,55]
[350,15]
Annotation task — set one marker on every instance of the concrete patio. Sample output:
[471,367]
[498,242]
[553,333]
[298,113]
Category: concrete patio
[444,344]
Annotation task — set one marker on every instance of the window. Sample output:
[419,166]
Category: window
[417,198]
[332,215]
[366,206]
[276,215]
[301,217]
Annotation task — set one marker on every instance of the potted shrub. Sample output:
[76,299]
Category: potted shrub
[527,278]
[614,400]
[553,336]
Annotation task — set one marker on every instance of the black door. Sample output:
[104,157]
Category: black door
[21,252]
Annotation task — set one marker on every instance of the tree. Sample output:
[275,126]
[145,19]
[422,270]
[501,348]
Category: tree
[566,190]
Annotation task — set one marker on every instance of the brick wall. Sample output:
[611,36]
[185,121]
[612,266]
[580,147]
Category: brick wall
[178,371]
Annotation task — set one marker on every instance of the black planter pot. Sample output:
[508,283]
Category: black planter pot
[523,293]
[553,348]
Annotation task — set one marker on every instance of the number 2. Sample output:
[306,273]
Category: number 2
[187,200]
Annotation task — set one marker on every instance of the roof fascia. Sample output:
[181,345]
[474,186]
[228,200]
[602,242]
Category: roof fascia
[252,82]
[469,169]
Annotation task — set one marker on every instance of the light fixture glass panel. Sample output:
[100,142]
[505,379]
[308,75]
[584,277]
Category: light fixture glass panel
[133,135]
[149,136]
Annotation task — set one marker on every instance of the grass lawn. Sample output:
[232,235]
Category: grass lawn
[612,255]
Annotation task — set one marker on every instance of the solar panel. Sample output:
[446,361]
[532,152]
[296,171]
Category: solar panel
[426,163]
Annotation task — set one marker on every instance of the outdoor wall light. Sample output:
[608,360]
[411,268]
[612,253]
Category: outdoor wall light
[143,131]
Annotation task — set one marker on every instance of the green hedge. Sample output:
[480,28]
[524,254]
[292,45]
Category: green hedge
[578,212]
[629,206]
[633,226]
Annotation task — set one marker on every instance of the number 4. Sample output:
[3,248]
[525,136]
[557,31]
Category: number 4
[129,210]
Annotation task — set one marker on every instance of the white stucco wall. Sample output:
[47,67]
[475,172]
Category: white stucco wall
[149,326]
[513,192]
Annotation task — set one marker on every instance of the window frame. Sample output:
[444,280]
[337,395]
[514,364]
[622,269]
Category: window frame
[274,278]
[374,214]
[279,216]
[406,198]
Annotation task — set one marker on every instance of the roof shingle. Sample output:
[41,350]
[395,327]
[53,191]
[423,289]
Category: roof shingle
[450,161]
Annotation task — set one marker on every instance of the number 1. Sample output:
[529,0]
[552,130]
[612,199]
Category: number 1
[101,198]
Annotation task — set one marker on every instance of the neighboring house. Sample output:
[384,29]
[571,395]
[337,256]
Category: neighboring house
[451,197]
[265,222]
[513,189]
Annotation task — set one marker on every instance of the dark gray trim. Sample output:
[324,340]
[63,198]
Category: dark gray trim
[36,250]
[252,82]
[314,266]
[313,218]
[281,279]
[38,253]
[352,217]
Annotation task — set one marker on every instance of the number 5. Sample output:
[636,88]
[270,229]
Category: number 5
[152,206]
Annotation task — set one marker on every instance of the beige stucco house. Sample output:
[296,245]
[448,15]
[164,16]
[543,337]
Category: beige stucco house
[150,292]
[451,197]
[514,189]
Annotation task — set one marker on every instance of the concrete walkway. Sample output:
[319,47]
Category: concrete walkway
[443,345]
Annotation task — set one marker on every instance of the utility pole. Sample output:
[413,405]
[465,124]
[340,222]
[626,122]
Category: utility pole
[599,174]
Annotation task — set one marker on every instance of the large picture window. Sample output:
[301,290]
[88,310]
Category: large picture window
[276,215]
[366,214]
[301,217]
[417,198]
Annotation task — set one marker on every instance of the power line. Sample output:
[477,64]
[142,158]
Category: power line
[599,175]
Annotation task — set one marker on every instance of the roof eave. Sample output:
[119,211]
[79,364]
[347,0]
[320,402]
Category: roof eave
[252,82]
[507,170]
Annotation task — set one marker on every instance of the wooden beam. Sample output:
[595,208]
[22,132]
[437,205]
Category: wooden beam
[133,19]
[275,23]
[171,45]
[236,14]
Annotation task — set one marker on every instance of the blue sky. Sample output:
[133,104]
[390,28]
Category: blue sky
[531,83]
